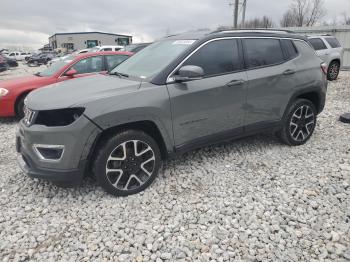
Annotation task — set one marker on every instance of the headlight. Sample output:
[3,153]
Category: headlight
[58,117]
[3,92]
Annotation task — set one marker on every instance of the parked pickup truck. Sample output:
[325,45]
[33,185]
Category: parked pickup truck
[19,56]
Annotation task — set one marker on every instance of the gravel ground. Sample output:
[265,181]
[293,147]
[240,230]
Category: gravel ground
[252,200]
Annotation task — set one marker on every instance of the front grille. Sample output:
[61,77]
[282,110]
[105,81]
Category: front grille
[29,116]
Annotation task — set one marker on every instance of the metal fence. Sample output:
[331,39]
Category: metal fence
[342,33]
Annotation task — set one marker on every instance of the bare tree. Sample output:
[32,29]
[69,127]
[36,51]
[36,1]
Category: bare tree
[288,19]
[346,19]
[264,22]
[316,12]
[303,13]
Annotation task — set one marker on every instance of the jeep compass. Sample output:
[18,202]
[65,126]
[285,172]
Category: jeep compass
[179,93]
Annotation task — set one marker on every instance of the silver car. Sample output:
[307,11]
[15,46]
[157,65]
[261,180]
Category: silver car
[330,51]
[179,93]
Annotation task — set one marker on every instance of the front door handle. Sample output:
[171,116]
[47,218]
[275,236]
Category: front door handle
[235,82]
[289,72]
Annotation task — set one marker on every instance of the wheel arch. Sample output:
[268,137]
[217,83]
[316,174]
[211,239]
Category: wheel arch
[19,97]
[336,60]
[147,126]
[314,95]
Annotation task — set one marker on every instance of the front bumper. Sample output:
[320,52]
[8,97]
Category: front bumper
[77,138]
[72,177]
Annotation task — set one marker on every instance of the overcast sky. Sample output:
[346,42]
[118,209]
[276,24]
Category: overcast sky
[31,22]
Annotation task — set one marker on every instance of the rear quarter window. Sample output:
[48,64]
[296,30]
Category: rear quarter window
[317,44]
[289,49]
[333,42]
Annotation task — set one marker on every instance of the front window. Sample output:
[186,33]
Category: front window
[217,57]
[55,67]
[153,58]
[89,65]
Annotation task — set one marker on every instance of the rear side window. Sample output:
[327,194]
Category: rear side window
[263,52]
[217,57]
[107,49]
[317,44]
[289,49]
[333,42]
[114,60]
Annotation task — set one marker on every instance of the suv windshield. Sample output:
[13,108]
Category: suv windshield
[50,71]
[153,58]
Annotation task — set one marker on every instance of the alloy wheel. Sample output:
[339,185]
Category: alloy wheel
[302,123]
[333,71]
[130,165]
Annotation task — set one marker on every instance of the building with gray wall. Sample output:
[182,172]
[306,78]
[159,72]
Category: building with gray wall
[82,40]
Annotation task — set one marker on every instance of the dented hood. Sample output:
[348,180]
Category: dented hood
[78,92]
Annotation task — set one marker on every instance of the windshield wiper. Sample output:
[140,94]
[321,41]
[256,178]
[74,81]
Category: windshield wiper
[119,74]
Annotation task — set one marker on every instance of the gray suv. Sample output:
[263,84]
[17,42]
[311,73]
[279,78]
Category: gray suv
[178,94]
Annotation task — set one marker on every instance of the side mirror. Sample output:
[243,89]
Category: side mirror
[189,72]
[71,72]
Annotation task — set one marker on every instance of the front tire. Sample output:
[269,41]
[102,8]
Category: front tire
[127,163]
[333,71]
[20,107]
[299,123]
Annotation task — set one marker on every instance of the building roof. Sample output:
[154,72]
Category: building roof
[84,33]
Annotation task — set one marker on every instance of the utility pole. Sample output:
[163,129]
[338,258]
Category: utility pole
[235,13]
[243,14]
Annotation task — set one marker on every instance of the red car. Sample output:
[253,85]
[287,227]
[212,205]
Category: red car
[14,91]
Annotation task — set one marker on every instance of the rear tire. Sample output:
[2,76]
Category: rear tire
[20,107]
[127,163]
[299,123]
[333,71]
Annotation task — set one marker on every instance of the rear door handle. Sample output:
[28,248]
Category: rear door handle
[236,82]
[289,72]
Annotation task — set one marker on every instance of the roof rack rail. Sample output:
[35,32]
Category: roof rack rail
[256,30]
[318,35]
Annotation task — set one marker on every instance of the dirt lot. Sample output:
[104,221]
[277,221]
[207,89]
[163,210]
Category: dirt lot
[253,199]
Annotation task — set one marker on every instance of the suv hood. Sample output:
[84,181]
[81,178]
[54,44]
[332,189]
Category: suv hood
[78,92]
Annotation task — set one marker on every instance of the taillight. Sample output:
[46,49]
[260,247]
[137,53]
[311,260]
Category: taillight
[324,68]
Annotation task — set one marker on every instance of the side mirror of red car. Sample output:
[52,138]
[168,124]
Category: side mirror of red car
[71,72]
